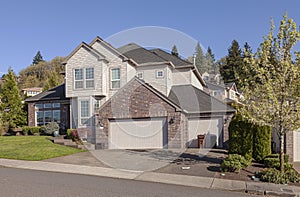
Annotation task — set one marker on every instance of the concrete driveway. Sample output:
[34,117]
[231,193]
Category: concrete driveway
[137,160]
[199,162]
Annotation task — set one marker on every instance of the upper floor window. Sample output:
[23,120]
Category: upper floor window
[159,74]
[140,75]
[89,77]
[84,78]
[78,78]
[115,78]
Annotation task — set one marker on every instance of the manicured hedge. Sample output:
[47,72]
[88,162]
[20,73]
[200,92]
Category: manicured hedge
[261,142]
[241,137]
[249,140]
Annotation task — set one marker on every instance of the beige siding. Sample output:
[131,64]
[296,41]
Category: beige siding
[212,128]
[169,80]
[83,59]
[131,72]
[181,76]
[150,77]
[195,81]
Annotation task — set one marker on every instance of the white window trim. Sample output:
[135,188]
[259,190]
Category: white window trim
[158,71]
[77,80]
[84,79]
[79,112]
[140,73]
[111,80]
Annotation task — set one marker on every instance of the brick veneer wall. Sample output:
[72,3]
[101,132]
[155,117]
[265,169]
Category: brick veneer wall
[64,113]
[138,101]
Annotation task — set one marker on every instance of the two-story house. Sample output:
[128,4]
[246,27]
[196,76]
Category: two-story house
[227,92]
[132,98]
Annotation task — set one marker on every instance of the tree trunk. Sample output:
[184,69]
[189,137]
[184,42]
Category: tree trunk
[281,157]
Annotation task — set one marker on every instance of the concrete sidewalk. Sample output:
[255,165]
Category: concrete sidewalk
[193,181]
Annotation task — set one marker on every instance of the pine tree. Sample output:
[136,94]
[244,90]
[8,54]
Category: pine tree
[272,93]
[11,108]
[200,62]
[234,61]
[175,51]
[210,60]
[37,58]
[240,72]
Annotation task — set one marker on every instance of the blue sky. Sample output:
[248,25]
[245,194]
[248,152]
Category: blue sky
[56,27]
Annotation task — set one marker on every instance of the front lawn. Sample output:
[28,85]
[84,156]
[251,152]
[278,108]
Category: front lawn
[32,148]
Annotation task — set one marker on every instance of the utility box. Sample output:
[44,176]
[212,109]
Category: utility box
[201,139]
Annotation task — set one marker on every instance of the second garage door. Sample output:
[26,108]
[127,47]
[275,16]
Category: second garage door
[297,146]
[137,133]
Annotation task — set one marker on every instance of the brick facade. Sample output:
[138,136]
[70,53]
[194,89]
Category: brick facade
[139,100]
[64,112]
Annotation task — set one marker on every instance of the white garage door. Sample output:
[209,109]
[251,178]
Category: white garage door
[137,133]
[297,146]
[211,127]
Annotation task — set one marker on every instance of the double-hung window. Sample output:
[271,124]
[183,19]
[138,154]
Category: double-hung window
[78,78]
[89,77]
[84,78]
[115,78]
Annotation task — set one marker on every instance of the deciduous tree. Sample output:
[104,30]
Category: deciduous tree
[272,94]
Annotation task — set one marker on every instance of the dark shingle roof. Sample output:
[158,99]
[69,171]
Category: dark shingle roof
[178,62]
[193,100]
[56,93]
[139,54]
[213,86]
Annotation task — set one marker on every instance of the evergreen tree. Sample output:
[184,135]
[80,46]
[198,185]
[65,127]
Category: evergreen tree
[272,93]
[37,58]
[175,51]
[234,61]
[200,62]
[240,73]
[11,108]
[210,60]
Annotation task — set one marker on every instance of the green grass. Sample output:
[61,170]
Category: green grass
[33,148]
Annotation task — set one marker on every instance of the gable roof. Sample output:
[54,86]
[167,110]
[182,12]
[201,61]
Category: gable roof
[213,86]
[140,54]
[88,48]
[56,93]
[193,100]
[146,85]
[178,62]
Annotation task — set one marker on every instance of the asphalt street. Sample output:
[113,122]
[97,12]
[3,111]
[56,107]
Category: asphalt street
[20,182]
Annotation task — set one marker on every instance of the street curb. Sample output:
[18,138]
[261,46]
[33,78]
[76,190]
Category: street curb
[258,188]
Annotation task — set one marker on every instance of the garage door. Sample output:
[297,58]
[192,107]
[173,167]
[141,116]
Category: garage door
[137,133]
[212,128]
[297,146]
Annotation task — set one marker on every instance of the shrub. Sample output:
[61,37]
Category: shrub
[42,129]
[273,161]
[51,127]
[261,142]
[234,163]
[34,130]
[240,137]
[74,135]
[25,130]
[275,176]
[69,133]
